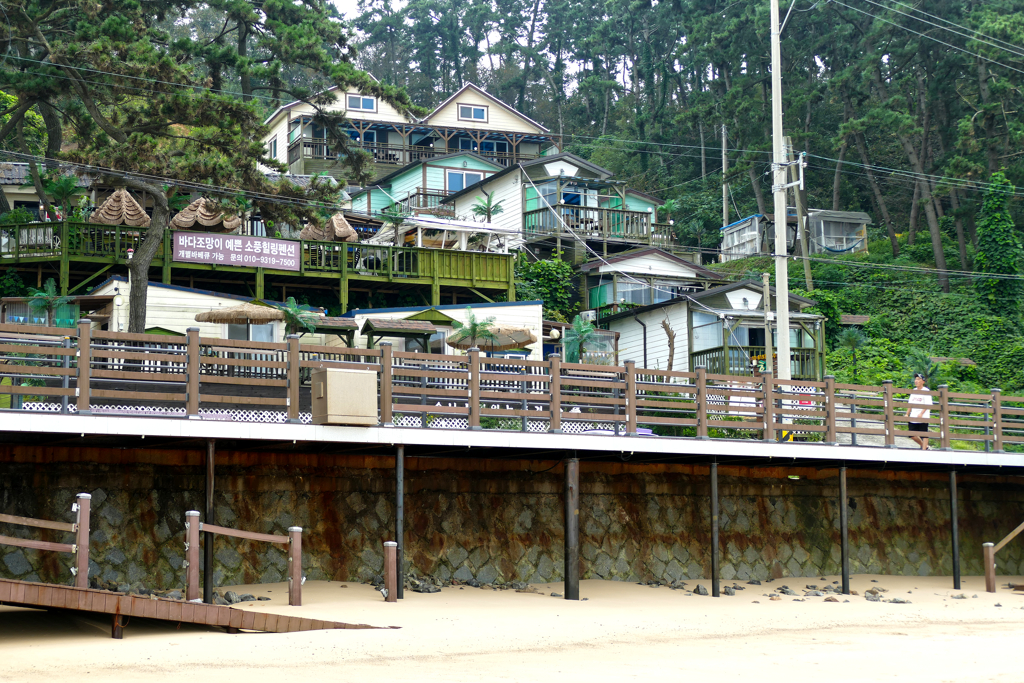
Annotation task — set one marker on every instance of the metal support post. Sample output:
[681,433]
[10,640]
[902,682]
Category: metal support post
[572,529]
[400,519]
[84,502]
[954,528]
[844,530]
[714,530]
[210,519]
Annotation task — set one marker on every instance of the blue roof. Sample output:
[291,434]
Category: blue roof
[210,292]
[445,307]
[742,220]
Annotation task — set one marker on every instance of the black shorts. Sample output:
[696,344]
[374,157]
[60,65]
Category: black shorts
[918,426]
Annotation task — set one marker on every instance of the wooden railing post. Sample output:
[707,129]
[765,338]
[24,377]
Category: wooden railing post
[386,367]
[84,364]
[555,393]
[988,551]
[702,403]
[295,566]
[82,507]
[192,555]
[474,388]
[890,414]
[631,398]
[391,571]
[831,414]
[192,366]
[944,417]
[997,420]
[768,387]
[294,367]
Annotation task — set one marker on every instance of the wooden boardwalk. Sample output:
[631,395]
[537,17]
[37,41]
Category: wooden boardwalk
[121,607]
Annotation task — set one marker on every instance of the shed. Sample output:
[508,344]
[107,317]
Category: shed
[381,328]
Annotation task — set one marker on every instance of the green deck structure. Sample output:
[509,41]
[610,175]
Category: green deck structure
[83,252]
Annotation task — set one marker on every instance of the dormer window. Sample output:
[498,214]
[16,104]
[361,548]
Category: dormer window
[473,112]
[362,103]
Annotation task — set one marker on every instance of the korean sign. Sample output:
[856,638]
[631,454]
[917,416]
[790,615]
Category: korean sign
[236,250]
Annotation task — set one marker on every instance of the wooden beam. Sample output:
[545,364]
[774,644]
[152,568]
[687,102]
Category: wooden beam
[91,277]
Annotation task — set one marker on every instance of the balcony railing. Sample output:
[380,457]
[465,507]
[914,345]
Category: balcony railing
[596,223]
[803,364]
[387,153]
[60,370]
[426,200]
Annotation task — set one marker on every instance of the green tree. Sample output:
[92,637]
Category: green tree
[920,361]
[577,338]
[549,281]
[479,331]
[852,339]
[999,249]
[48,300]
[486,208]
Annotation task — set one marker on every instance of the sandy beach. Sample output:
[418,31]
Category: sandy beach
[621,631]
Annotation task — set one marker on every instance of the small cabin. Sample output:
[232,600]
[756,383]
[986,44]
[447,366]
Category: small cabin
[835,232]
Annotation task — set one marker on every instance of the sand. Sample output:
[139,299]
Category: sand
[622,632]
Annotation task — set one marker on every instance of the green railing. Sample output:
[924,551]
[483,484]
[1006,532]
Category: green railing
[87,240]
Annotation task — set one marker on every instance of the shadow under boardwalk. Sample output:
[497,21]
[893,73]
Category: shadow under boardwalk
[118,605]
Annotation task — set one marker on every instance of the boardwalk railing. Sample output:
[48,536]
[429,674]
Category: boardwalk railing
[80,548]
[91,371]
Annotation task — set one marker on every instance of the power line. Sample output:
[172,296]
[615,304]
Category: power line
[1009,46]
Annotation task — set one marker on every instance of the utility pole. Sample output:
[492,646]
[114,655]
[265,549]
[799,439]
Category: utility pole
[801,212]
[725,185]
[769,362]
[779,192]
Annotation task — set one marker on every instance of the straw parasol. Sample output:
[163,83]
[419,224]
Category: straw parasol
[207,214]
[337,229]
[505,338]
[241,315]
[120,209]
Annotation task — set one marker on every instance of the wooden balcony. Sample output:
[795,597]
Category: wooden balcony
[428,201]
[595,223]
[51,369]
[104,246]
[805,363]
[307,149]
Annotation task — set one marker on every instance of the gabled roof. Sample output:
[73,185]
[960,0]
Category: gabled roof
[644,195]
[294,102]
[634,253]
[753,284]
[571,158]
[489,96]
[703,295]
[416,164]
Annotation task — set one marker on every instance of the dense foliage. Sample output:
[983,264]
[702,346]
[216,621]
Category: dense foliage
[549,281]
[999,250]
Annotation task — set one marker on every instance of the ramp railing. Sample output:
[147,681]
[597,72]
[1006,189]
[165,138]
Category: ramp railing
[80,548]
[989,551]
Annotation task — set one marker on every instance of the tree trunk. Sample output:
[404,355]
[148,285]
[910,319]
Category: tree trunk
[33,169]
[758,193]
[671,334]
[837,180]
[703,151]
[915,212]
[138,267]
[960,238]
[877,193]
[243,52]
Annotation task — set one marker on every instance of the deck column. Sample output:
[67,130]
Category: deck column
[192,555]
[714,530]
[84,365]
[210,519]
[82,540]
[400,520]
[295,566]
[844,528]
[294,371]
[954,529]
[572,529]
[988,551]
[259,283]
[391,571]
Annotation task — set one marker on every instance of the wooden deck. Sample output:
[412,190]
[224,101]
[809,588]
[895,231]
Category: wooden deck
[120,605]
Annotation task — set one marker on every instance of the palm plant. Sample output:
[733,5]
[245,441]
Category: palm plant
[62,188]
[919,361]
[577,338]
[393,215]
[477,330]
[666,210]
[296,318]
[48,299]
[486,208]
[852,339]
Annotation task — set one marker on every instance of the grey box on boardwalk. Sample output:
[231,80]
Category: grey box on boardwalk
[347,397]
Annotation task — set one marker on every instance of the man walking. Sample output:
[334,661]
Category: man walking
[913,412]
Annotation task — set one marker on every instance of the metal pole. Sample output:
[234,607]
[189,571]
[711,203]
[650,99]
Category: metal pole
[400,519]
[207,536]
[779,191]
[954,528]
[844,530]
[572,529]
[714,530]
[725,170]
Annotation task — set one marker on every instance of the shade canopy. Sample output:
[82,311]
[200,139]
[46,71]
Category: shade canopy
[120,209]
[241,315]
[206,213]
[505,339]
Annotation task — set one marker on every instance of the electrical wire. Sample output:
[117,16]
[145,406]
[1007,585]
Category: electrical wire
[1009,47]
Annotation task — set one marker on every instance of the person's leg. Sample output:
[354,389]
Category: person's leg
[917,440]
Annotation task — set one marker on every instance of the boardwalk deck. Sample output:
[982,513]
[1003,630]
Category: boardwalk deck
[118,605]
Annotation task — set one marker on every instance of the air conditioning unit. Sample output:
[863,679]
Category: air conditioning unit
[589,315]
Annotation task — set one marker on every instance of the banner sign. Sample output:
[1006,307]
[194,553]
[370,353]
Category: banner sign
[235,250]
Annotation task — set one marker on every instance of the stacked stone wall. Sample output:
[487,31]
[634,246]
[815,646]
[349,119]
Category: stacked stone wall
[502,522]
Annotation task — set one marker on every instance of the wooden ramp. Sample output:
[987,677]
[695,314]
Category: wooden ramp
[121,607]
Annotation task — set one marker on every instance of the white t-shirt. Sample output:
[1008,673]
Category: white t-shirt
[920,399]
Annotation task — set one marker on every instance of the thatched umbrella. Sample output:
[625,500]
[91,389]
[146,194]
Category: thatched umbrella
[207,214]
[241,315]
[505,339]
[120,209]
[337,229]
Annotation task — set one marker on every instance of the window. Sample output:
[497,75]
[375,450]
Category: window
[272,148]
[250,332]
[367,136]
[361,103]
[707,331]
[469,112]
[460,180]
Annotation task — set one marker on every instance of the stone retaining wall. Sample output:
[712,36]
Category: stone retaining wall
[497,521]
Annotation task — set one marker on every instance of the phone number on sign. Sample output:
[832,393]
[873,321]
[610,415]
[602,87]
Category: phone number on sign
[263,260]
